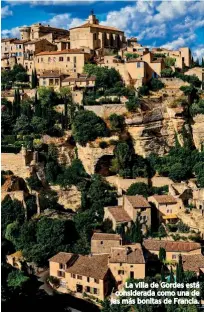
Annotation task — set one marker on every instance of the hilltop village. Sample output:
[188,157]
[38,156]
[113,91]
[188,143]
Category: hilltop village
[102,163]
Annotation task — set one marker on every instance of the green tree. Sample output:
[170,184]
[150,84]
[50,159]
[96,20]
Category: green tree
[162,274]
[179,271]
[155,84]
[34,79]
[162,254]
[22,77]
[171,277]
[169,61]
[87,127]
[139,188]
[12,233]
[167,72]
[123,158]
[17,279]
[116,122]
[132,104]
[26,108]
[7,122]
[22,125]
[39,125]
[34,183]
[162,231]
[143,91]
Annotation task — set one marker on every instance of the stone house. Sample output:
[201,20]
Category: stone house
[197,71]
[193,263]
[127,262]
[51,78]
[131,207]
[96,36]
[83,274]
[101,243]
[66,61]
[167,207]
[173,248]
[79,81]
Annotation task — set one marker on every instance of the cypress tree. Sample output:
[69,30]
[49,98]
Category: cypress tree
[179,271]
[14,105]
[32,80]
[171,280]
[18,103]
[202,64]
[162,274]
[35,78]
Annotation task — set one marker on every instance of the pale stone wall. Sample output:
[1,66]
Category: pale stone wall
[89,155]
[198,131]
[69,199]
[174,255]
[104,246]
[138,269]
[15,163]
[173,82]
[106,110]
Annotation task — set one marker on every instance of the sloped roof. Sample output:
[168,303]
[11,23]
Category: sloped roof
[126,255]
[193,263]
[68,51]
[62,257]
[51,74]
[138,201]
[165,199]
[105,236]
[154,244]
[95,266]
[119,214]
[87,25]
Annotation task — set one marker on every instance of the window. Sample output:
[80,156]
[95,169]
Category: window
[143,209]
[131,274]
[121,272]
[56,82]
[74,59]
[95,36]
[51,81]
[88,279]
[79,277]
[61,59]
[62,266]
[73,275]
[49,59]
[19,46]
[68,59]
[174,256]
[138,65]
[60,274]
[96,281]
[167,211]
[101,242]
[88,289]
[95,291]
[41,59]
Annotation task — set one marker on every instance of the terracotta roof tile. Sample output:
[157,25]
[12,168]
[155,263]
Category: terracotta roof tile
[69,51]
[83,78]
[86,25]
[193,262]
[126,255]
[154,244]
[62,257]
[105,236]
[95,266]
[20,41]
[138,201]
[165,199]
[119,214]
[51,73]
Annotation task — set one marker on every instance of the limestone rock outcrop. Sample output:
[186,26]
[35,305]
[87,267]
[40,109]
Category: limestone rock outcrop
[198,131]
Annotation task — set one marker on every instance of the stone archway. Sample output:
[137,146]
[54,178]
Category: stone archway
[103,165]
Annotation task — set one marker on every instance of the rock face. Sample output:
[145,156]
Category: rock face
[91,153]
[69,199]
[198,131]
[154,131]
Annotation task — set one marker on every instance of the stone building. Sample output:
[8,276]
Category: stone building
[198,72]
[103,242]
[38,30]
[132,206]
[167,207]
[83,274]
[79,82]
[51,78]
[173,249]
[96,36]
[66,61]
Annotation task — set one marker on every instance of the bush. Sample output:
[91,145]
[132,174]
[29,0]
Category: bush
[169,61]
[155,84]
[10,149]
[167,72]
[144,90]
[183,228]
[132,104]
[116,122]
[103,144]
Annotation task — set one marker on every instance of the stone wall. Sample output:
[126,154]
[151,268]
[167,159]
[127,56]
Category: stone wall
[198,131]
[106,110]
[173,82]
[90,155]
[16,163]
[69,199]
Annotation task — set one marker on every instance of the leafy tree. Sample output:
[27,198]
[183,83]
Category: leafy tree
[132,105]
[11,211]
[116,122]
[178,172]
[169,61]
[34,183]
[82,245]
[47,97]
[87,127]
[105,77]
[22,125]
[12,233]
[171,278]
[7,122]
[162,274]
[22,77]
[167,72]
[162,231]
[34,79]
[155,84]
[131,55]
[17,279]
[139,188]
[197,107]
[26,108]
[162,254]
[140,167]
[122,159]
[134,233]
[143,90]
[39,125]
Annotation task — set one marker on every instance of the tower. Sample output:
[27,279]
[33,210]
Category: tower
[92,18]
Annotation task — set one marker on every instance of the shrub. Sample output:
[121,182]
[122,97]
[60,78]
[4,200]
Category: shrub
[132,104]
[169,61]
[167,72]
[143,90]
[155,84]
[116,122]
[183,228]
